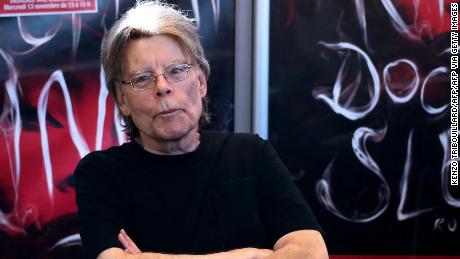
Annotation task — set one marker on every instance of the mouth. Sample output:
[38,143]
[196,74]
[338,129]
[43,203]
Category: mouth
[169,112]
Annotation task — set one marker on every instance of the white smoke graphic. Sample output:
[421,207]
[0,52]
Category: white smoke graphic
[101,104]
[412,86]
[397,20]
[361,13]
[441,8]
[11,121]
[72,240]
[75,134]
[324,189]
[216,12]
[34,41]
[13,222]
[11,125]
[341,97]
[76,32]
[401,214]
[215,4]
[428,108]
[353,112]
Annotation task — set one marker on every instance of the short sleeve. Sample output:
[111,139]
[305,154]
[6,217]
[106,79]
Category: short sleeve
[98,201]
[283,208]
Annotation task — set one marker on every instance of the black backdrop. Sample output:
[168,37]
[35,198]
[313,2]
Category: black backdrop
[359,94]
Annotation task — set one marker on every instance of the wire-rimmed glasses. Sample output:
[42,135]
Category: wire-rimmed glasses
[146,80]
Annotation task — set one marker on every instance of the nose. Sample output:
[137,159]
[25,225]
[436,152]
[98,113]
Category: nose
[162,87]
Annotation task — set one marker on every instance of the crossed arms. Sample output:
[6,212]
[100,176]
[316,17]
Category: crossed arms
[297,244]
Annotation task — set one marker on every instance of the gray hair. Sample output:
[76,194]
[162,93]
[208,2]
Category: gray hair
[146,19]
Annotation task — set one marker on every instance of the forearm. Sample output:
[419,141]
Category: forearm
[222,255]
[172,256]
[244,253]
[301,244]
[133,252]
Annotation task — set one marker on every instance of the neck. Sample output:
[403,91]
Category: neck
[183,145]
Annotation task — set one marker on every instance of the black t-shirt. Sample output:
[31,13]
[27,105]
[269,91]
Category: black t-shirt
[233,191]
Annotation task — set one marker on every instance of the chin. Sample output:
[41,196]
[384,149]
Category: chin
[174,133]
[173,129]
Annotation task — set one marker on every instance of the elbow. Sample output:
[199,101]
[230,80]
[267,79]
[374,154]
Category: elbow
[301,252]
[320,255]
[316,254]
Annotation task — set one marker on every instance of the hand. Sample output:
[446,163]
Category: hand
[128,244]
[243,253]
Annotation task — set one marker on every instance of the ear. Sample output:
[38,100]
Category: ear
[203,84]
[121,100]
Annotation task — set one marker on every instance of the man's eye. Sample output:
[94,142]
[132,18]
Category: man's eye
[142,78]
[176,70]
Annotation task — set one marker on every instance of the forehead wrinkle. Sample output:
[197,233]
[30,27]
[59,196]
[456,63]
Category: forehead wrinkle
[138,66]
[154,62]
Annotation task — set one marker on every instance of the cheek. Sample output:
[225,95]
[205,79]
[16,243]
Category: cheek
[140,109]
[193,95]
[140,103]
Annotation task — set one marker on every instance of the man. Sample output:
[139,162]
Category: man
[179,192]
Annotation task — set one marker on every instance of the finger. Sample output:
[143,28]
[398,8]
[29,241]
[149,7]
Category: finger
[130,245]
[123,232]
[133,247]
[123,240]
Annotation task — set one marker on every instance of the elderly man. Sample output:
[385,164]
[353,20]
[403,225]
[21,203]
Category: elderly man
[179,192]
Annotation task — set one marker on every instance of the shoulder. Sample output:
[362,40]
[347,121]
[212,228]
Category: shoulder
[109,155]
[245,146]
[240,155]
[103,162]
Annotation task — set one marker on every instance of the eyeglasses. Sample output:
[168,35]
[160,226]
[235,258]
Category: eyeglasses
[147,80]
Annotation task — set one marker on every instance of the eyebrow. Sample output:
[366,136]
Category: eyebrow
[177,62]
[150,69]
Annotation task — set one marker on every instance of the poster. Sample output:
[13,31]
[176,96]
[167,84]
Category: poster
[55,109]
[360,112]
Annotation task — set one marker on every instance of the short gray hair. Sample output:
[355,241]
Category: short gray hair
[146,19]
